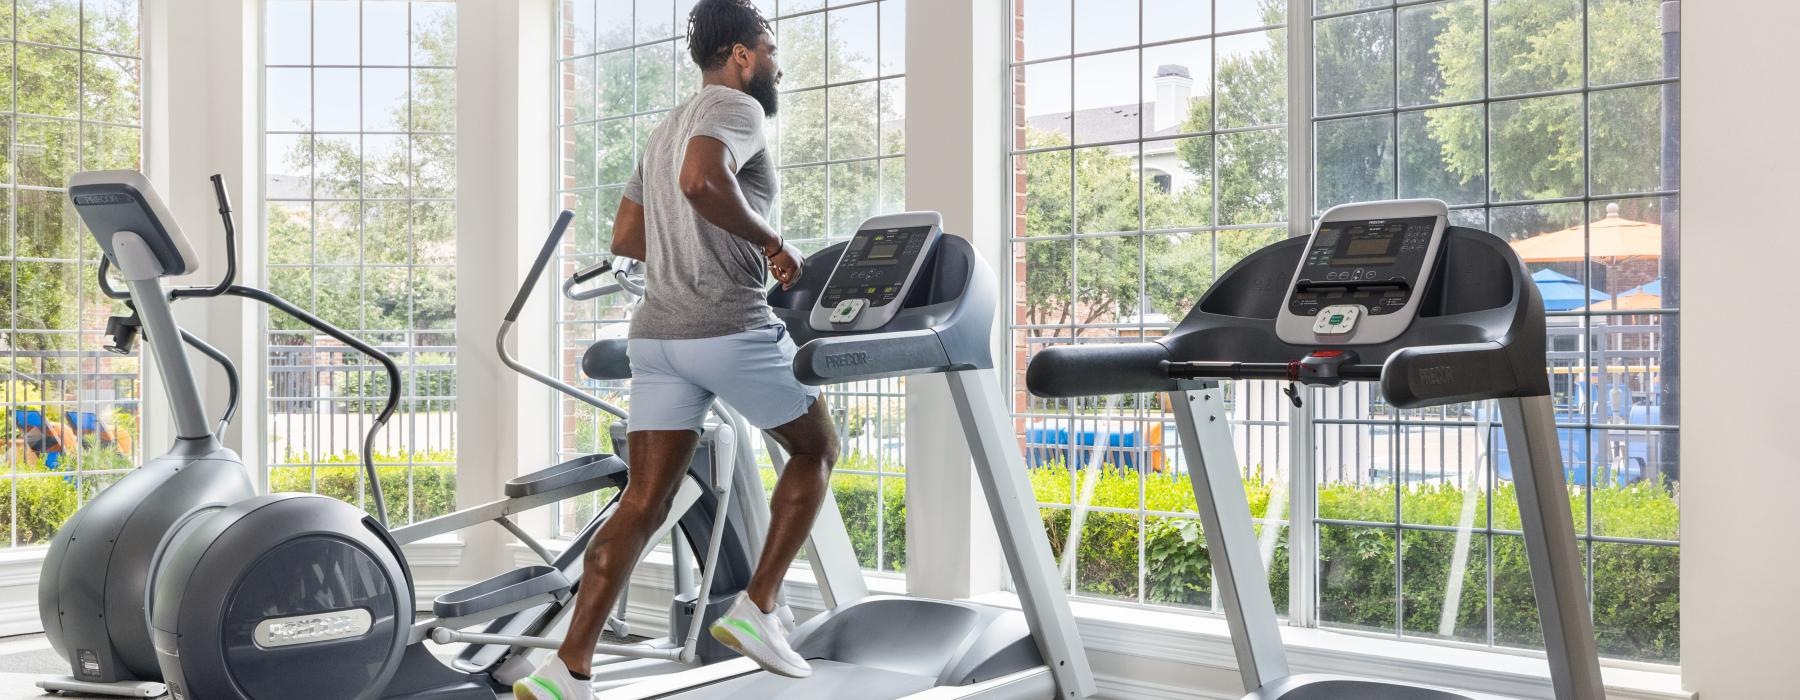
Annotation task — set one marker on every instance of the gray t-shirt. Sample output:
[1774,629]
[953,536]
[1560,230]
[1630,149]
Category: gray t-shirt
[700,281]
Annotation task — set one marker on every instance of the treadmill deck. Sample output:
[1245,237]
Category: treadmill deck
[830,679]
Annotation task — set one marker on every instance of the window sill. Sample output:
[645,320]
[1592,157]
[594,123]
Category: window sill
[444,550]
[1204,640]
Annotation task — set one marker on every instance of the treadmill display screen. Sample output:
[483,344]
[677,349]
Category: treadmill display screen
[1372,262]
[875,265]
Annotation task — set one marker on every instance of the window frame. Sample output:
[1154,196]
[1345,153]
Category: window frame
[1303,174]
[83,261]
[315,362]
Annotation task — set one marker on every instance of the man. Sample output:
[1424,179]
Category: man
[693,212]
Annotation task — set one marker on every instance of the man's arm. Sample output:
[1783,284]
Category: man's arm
[628,230]
[710,185]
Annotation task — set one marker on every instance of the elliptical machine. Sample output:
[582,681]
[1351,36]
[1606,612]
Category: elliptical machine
[93,587]
[300,596]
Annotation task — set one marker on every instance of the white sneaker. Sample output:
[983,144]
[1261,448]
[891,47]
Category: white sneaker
[552,681]
[760,637]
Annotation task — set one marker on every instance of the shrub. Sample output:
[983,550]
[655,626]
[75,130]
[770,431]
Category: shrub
[1636,596]
[433,489]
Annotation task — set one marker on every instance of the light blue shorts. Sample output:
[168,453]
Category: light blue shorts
[673,382]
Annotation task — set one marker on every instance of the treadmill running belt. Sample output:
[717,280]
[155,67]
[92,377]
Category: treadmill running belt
[830,680]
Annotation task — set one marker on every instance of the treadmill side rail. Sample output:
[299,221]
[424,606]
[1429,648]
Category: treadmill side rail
[1550,546]
[1225,517]
[1007,486]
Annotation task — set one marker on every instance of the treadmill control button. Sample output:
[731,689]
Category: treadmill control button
[848,309]
[1338,319]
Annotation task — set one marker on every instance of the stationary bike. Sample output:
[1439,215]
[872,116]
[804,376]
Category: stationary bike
[301,596]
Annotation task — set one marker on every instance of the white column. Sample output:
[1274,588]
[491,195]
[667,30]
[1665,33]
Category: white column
[956,165]
[503,210]
[1738,520]
[201,105]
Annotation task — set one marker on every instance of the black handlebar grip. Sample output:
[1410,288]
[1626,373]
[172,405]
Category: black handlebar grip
[595,270]
[537,266]
[219,194]
[1435,375]
[1067,371]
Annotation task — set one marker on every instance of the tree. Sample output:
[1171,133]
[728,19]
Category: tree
[1538,148]
[1246,168]
[420,165]
[45,151]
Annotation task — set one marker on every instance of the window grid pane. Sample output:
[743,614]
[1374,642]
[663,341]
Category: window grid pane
[360,186]
[839,147]
[72,408]
[1148,155]
[1540,121]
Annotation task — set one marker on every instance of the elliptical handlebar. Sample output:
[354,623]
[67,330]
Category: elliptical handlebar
[387,364]
[628,277]
[228,286]
[538,265]
[532,277]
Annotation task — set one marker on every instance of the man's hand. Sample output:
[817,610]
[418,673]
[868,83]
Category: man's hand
[786,262]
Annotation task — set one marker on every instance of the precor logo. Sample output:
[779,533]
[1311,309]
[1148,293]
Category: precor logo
[1437,376]
[318,627]
[847,359]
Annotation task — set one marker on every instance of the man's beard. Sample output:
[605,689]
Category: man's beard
[762,87]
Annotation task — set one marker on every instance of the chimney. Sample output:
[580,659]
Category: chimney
[1173,90]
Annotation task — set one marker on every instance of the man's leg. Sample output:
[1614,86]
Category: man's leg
[812,448]
[659,459]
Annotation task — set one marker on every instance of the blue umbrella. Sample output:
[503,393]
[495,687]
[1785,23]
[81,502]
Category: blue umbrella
[1562,292]
[1652,288]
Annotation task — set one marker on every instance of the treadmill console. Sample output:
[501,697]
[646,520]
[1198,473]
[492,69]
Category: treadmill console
[1364,270]
[876,271]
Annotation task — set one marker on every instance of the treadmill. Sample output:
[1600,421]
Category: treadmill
[901,298]
[1383,292]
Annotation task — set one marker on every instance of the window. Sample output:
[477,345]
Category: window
[71,102]
[839,145]
[1151,154]
[1541,121]
[360,162]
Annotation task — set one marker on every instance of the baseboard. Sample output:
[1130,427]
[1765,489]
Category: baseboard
[1138,689]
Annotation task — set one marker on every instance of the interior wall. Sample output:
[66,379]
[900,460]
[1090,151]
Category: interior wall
[1741,167]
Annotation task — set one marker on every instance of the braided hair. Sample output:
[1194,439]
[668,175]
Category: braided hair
[715,26]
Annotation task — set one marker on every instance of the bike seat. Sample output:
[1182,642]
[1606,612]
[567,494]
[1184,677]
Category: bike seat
[606,360]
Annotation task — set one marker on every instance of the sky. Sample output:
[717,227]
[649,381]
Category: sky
[339,33]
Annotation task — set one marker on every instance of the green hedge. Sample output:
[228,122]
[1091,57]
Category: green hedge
[433,487]
[1636,601]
